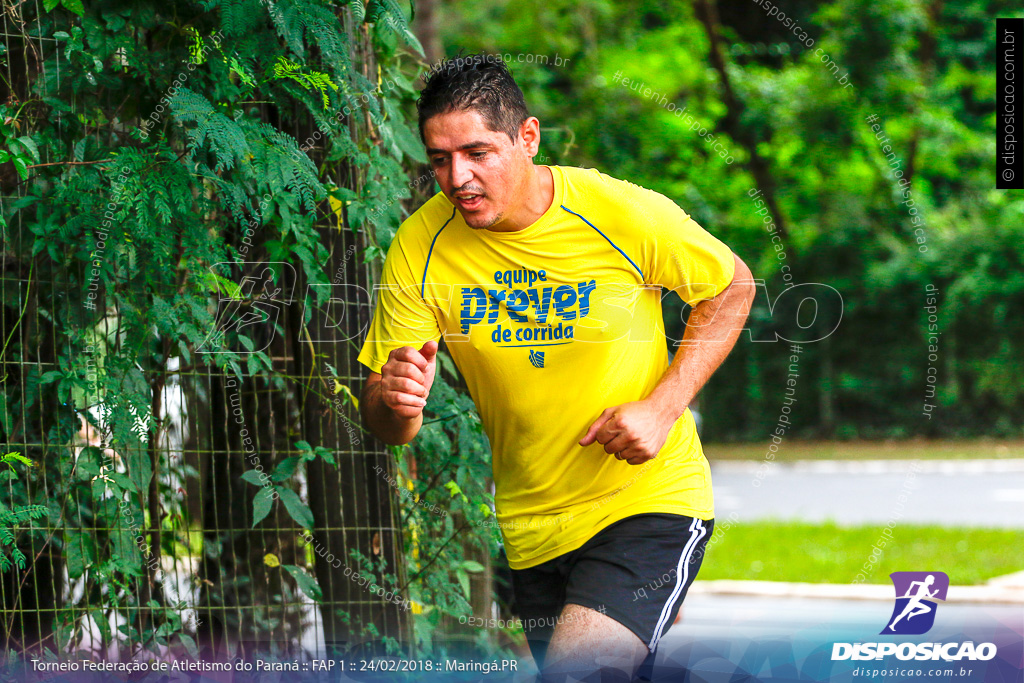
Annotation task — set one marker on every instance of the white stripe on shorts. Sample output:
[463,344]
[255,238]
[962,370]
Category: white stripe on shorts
[697,532]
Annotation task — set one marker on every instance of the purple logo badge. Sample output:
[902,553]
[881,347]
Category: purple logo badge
[916,593]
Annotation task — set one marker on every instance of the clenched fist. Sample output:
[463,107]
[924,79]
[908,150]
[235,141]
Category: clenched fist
[407,377]
[634,432]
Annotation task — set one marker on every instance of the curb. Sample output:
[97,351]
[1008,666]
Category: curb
[989,594]
[947,467]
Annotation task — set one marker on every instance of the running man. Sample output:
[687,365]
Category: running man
[916,605]
[545,282]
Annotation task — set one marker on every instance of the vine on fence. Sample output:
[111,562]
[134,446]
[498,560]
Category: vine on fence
[137,164]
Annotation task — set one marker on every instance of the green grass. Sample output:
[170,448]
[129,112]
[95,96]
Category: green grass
[826,553]
[791,450]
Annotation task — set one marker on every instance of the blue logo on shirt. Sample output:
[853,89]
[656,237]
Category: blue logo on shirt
[537,358]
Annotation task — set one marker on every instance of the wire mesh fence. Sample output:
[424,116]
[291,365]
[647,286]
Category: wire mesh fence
[125,522]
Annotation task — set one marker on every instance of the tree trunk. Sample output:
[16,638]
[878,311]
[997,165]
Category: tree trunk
[425,26]
[759,167]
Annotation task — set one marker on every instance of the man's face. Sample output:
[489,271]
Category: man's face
[480,170]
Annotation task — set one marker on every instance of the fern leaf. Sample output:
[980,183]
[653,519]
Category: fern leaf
[390,13]
[358,10]
[223,135]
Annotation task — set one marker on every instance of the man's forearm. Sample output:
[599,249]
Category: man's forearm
[382,421]
[712,329]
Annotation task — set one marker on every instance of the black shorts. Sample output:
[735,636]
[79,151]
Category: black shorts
[636,571]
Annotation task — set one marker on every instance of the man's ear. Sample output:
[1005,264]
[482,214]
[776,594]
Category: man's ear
[529,135]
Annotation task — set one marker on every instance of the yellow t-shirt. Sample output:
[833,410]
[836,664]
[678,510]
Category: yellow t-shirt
[550,325]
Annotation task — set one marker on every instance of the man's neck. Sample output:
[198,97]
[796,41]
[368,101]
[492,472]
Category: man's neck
[536,200]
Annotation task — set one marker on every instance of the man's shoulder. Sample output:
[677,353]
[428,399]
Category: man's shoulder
[597,193]
[580,180]
[591,183]
[418,231]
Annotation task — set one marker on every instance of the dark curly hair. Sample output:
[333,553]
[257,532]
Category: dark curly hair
[480,81]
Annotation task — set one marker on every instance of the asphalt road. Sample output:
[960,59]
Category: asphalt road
[975,493]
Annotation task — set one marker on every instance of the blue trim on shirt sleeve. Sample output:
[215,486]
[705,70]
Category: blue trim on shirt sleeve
[609,241]
[423,285]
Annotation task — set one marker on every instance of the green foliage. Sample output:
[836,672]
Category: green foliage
[11,458]
[389,13]
[263,501]
[307,584]
[74,6]
[153,136]
[19,152]
[315,80]
[9,518]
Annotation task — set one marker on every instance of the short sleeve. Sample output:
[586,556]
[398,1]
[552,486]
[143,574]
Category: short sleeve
[677,252]
[401,316]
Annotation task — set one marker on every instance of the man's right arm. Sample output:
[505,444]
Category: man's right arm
[392,400]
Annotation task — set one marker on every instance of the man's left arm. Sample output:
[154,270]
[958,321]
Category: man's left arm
[636,431]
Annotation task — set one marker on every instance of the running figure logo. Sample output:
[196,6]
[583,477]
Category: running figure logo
[916,593]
